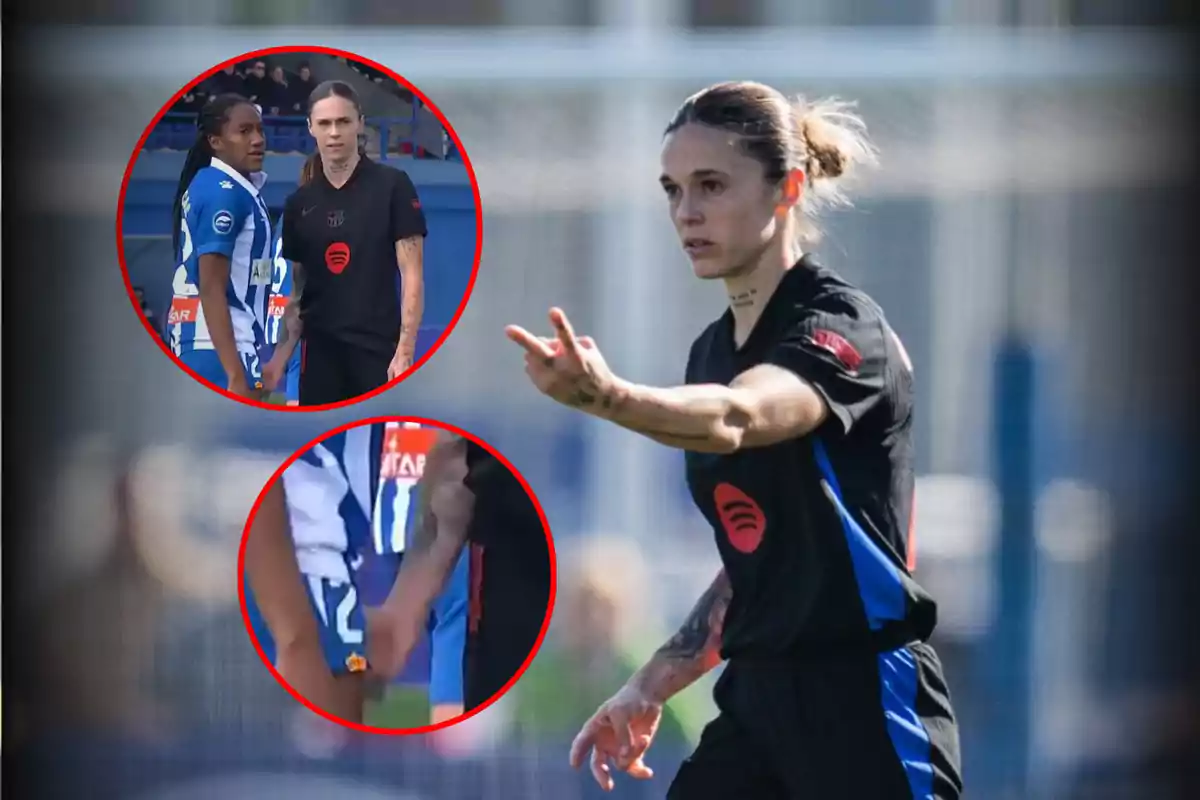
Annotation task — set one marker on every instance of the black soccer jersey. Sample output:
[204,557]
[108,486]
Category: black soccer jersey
[345,238]
[813,531]
[509,576]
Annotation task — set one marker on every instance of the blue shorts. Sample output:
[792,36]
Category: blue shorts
[340,622]
[208,366]
[291,381]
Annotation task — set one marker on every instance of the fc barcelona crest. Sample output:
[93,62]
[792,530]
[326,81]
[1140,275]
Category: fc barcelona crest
[336,218]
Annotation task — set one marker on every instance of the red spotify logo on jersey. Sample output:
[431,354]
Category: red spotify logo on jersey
[337,257]
[743,519]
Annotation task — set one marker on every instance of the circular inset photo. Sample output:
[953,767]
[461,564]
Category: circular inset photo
[397,575]
[299,228]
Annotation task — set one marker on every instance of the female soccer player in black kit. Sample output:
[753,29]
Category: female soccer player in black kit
[797,425]
[354,232]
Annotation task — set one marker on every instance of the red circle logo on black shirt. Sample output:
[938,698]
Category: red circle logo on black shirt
[744,521]
[337,257]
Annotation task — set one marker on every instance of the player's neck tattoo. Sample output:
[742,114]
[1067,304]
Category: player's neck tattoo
[342,170]
[743,299]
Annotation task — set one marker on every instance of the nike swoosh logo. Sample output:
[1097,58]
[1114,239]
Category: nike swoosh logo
[304,212]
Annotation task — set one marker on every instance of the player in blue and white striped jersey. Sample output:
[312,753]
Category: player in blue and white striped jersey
[222,244]
[302,554]
[343,498]
[281,292]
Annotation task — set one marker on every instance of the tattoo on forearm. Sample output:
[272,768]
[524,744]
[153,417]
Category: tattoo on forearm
[411,249]
[694,650]
[410,253]
[297,279]
[425,524]
[437,468]
[700,636]
[585,393]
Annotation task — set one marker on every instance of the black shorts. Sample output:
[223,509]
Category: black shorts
[506,609]
[845,726]
[332,371]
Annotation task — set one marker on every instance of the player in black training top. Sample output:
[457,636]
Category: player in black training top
[797,422]
[469,498]
[355,233]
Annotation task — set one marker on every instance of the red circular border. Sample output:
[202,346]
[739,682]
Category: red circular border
[332,51]
[241,566]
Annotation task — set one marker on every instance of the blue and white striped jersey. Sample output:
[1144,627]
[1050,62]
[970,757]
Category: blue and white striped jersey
[223,213]
[281,292]
[405,447]
[331,490]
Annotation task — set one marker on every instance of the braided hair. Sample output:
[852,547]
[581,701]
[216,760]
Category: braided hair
[209,122]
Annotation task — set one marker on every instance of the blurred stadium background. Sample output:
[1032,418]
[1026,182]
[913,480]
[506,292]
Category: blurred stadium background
[1029,152]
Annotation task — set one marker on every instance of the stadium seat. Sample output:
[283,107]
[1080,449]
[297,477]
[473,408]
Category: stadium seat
[157,140]
[181,136]
[280,138]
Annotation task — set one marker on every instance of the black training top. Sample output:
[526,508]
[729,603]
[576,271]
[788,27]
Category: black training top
[346,240]
[813,532]
[510,576]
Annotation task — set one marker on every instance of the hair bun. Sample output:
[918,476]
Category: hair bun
[825,158]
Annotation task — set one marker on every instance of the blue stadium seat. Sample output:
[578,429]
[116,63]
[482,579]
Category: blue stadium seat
[157,140]
[181,136]
[289,138]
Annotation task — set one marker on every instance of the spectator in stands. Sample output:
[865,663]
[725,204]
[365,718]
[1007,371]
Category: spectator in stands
[303,85]
[140,294]
[278,99]
[256,82]
[190,103]
[227,81]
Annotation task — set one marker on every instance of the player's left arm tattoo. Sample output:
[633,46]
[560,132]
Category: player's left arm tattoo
[292,326]
[444,511]
[410,258]
[693,650]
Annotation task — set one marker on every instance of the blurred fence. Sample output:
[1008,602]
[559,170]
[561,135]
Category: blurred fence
[1020,171]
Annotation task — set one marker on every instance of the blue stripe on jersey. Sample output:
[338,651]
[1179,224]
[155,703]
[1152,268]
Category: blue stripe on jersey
[342,469]
[281,282]
[394,501]
[883,599]
[358,453]
[879,583]
[281,286]
[898,685]
[224,214]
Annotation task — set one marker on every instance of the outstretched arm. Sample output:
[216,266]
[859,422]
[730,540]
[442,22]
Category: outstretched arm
[692,651]
[762,406]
